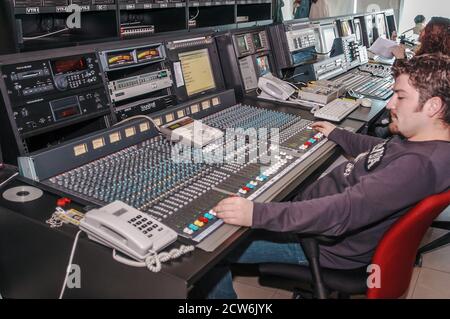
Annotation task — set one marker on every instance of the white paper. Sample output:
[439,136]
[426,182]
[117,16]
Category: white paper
[178,74]
[383,47]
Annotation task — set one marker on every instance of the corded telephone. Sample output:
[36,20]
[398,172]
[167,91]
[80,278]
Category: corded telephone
[274,88]
[127,230]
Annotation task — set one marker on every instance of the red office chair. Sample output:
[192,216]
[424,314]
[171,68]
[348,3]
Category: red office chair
[395,255]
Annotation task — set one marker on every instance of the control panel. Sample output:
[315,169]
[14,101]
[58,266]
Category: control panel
[250,43]
[47,92]
[301,39]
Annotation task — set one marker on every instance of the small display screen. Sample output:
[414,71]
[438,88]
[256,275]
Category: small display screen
[147,54]
[197,71]
[68,66]
[242,44]
[120,58]
[346,28]
[65,108]
[329,35]
[257,41]
[263,65]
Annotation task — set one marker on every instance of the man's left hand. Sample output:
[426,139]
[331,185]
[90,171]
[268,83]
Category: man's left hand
[235,211]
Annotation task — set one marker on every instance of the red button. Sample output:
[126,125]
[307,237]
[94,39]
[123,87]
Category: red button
[246,188]
[203,220]
[308,143]
[63,201]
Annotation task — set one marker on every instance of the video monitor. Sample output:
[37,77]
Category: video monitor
[381,25]
[197,71]
[242,44]
[346,28]
[327,35]
[257,41]
[263,65]
[358,31]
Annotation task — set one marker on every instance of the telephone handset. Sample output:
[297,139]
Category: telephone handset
[272,87]
[127,230]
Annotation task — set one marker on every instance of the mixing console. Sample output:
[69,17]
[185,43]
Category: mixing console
[371,86]
[182,193]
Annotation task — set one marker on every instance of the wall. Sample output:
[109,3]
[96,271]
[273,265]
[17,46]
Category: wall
[428,8]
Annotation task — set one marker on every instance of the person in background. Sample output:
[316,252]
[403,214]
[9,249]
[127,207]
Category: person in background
[301,9]
[435,37]
[319,9]
[419,20]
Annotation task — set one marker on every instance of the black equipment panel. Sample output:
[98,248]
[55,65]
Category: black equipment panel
[47,92]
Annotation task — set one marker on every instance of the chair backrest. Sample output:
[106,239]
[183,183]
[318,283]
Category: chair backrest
[396,253]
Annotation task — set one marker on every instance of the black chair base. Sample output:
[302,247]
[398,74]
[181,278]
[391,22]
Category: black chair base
[437,243]
[345,282]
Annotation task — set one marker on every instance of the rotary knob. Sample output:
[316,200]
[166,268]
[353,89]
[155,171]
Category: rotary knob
[61,83]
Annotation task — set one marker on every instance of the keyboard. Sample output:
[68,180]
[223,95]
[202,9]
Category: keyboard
[337,109]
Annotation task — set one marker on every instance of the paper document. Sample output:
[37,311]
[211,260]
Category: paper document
[383,47]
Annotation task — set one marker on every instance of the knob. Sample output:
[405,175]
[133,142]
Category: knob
[61,83]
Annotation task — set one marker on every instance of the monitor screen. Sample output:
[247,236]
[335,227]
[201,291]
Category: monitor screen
[257,41]
[263,64]
[346,28]
[328,34]
[242,43]
[358,31]
[381,26]
[197,71]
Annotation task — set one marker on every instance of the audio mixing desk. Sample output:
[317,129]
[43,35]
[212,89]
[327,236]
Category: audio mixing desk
[209,183]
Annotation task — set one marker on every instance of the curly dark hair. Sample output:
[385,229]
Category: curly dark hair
[435,37]
[429,74]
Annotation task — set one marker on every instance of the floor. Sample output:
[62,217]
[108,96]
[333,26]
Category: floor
[431,281]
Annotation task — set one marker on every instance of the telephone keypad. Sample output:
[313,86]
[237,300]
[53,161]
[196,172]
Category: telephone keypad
[144,225]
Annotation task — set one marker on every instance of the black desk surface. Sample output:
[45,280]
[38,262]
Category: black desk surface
[33,257]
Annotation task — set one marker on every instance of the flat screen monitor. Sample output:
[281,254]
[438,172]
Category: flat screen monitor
[197,71]
[346,28]
[358,31]
[257,41]
[381,25]
[369,29]
[327,34]
[263,64]
[242,43]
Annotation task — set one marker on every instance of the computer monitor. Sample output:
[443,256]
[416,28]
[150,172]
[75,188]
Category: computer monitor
[391,23]
[380,24]
[346,26]
[263,65]
[358,31]
[197,71]
[368,20]
[328,33]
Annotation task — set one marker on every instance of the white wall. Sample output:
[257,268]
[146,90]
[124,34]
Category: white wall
[429,8]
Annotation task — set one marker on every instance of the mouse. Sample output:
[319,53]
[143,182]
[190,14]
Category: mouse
[366,102]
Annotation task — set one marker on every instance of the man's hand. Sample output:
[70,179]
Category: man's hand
[235,211]
[323,127]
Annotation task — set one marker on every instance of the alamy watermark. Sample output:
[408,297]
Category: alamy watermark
[236,146]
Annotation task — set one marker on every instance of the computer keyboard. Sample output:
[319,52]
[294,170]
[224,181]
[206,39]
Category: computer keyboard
[337,110]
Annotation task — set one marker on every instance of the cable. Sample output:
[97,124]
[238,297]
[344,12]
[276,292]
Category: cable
[296,75]
[45,35]
[154,260]
[196,15]
[74,246]
[139,116]
[8,179]
[324,53]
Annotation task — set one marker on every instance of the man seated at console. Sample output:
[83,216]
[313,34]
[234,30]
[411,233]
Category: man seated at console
[360,199]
